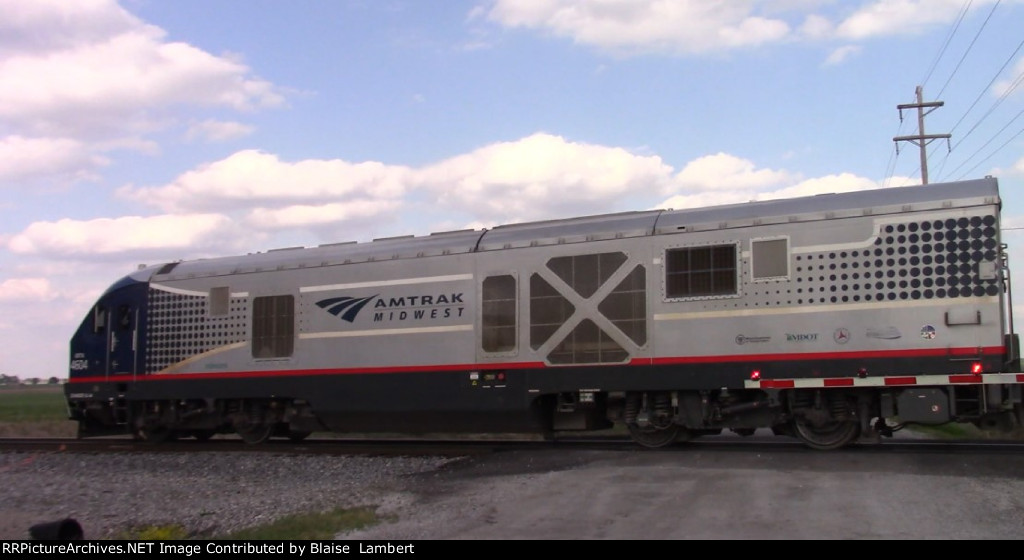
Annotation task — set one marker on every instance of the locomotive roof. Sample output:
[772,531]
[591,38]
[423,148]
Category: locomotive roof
[593,228]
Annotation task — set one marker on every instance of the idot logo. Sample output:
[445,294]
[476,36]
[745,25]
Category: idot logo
[345,307]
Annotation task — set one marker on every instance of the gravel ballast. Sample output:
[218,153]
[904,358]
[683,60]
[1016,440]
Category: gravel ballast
[206,494]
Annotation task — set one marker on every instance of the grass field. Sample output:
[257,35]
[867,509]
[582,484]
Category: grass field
[34,411]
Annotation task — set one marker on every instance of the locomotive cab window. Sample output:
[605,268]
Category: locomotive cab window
[99,319]
[124,318]
[273,326]
[498,323]
[692,272]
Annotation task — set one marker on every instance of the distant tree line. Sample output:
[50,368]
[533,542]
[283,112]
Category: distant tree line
[14,380]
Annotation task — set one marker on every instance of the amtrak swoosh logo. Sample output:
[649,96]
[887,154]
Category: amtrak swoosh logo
[345,307]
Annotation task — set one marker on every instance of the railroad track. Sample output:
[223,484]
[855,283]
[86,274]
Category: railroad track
[469,446]
[227,445]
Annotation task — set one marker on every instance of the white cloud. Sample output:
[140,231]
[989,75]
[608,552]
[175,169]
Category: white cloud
[252,195]
[701,26]
[725,172]
[900,17]
[48,25]
[34,158]
[98,84]
[217,131]
[704,199]
[1014,170]
[1008,87]
[542,176]
[26,290]
[683,26]
[133,143]
[251,179]
[843,182]
[311,216]
[80,79]
[842,53]
[902,181]
[157,235]
[747,184]
[817,27]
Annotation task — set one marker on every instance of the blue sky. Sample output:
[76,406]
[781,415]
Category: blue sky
[138,131]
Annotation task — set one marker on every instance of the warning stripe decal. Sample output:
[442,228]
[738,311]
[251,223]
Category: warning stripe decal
[902,380]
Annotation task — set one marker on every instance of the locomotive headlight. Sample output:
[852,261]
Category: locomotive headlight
[976,368]
[755,375]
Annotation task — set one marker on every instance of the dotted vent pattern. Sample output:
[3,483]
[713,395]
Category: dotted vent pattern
[919,260]
[179,327]
[908,261]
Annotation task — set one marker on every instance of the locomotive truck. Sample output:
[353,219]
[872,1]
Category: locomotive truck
[835,319]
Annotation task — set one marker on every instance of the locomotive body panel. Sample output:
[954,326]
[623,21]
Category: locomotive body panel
[687,315]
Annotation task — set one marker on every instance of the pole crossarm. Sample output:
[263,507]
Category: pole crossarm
[921,105]
[920,139]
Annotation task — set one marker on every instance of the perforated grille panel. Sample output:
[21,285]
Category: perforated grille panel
[179,327]
[912,261]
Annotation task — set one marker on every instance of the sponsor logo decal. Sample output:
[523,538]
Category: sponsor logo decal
[841,336]
[743,339]
[927,332]
[884,333]
[801,337]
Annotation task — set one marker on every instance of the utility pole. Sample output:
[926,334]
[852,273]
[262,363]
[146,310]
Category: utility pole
[921,139]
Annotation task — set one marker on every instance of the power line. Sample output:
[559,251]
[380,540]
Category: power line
[890,167]
[969,47]
[1009,59]
[996,151]
[995,105]
[1009,90]
[990,140]
[922,139]
[1012,86]
[945,45]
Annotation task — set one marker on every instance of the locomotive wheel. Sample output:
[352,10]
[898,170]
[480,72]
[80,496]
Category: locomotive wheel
[255,433]
[298,436]
[654,437]
[829,435]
